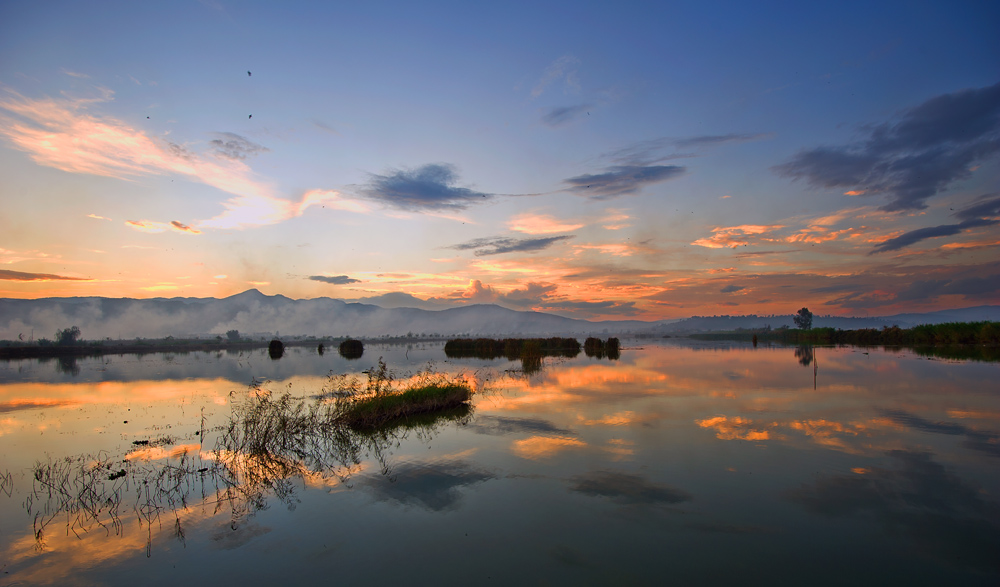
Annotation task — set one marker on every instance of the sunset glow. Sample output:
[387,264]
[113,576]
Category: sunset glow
[578,174]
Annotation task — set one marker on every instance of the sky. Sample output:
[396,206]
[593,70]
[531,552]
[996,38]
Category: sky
[595,160]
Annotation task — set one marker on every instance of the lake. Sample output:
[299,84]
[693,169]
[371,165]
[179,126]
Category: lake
[679,463]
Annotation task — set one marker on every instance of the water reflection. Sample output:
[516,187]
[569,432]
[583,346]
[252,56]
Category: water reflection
[587,467]
[805,355]
[917,497]
[272,445]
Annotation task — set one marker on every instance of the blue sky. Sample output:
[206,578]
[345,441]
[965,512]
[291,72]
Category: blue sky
[598,160]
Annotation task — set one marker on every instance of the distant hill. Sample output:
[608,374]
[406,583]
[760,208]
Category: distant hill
[253,313]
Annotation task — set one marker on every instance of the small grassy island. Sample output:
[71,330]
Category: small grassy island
[379,410]
[381,401]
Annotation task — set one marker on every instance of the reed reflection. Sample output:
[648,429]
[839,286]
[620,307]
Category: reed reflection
[272,444]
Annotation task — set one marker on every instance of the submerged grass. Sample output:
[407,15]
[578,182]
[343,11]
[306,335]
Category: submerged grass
[378,410]
[383,399]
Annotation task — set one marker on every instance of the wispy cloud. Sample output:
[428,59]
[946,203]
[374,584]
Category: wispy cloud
[621,180]
[563,68]
[734,236]
[910,160]
[62,133]
[259,210]
[662,149]
[530,223]
[430,187]
[562,115]
[233,146]
[323,126]
[334,280]
[497,245]
[9,275]
[153,227]
[984,212]
[627,489]
[179,227]
[96,217]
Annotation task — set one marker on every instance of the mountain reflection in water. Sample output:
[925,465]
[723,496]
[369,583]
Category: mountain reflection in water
[704,464]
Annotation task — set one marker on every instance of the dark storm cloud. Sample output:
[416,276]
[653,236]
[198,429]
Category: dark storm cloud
[555,117]
[234,146]
[434,486]
[500,425]
[982,287]
[732,288]
[430,187]
[336,280]
[982,213]
[985,206]
[627,489]
[497,245]
[913,159]
[622,180]
[716,140]
[940,512]
[983,441]
[665,148]
[918,423]
[22,276]
[19,405]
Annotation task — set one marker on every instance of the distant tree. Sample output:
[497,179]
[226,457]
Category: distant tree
[233,335]
[804,319]
[67,337]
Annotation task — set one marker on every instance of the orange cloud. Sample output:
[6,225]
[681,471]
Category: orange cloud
[60,133]
[735,428]
[530,223]
[827,433]
[734,236]
[541,447]
[183,227]
[617,219]
[617,250]
[619,419]
[855,193]
[147,226]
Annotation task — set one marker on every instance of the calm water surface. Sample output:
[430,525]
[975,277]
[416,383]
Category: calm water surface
[677,464]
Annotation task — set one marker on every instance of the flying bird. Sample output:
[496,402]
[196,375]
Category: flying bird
[251,116]
[248,73]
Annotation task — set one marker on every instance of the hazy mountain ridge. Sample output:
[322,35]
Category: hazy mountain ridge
[252,312]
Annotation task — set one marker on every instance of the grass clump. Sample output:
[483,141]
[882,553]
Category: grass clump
[597,348]
[383,401]
[352,349]
[376,411]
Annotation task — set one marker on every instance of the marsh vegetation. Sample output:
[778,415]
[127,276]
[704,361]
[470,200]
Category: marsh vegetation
[978,341]
[599,349]
[529,351]
[270,445]
[352,349]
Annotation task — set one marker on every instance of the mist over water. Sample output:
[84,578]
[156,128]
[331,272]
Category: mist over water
[701,462]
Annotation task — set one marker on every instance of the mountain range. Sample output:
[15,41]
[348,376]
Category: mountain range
[256,314]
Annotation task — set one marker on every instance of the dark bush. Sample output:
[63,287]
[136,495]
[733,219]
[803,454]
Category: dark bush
[276,349]
[352,349]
